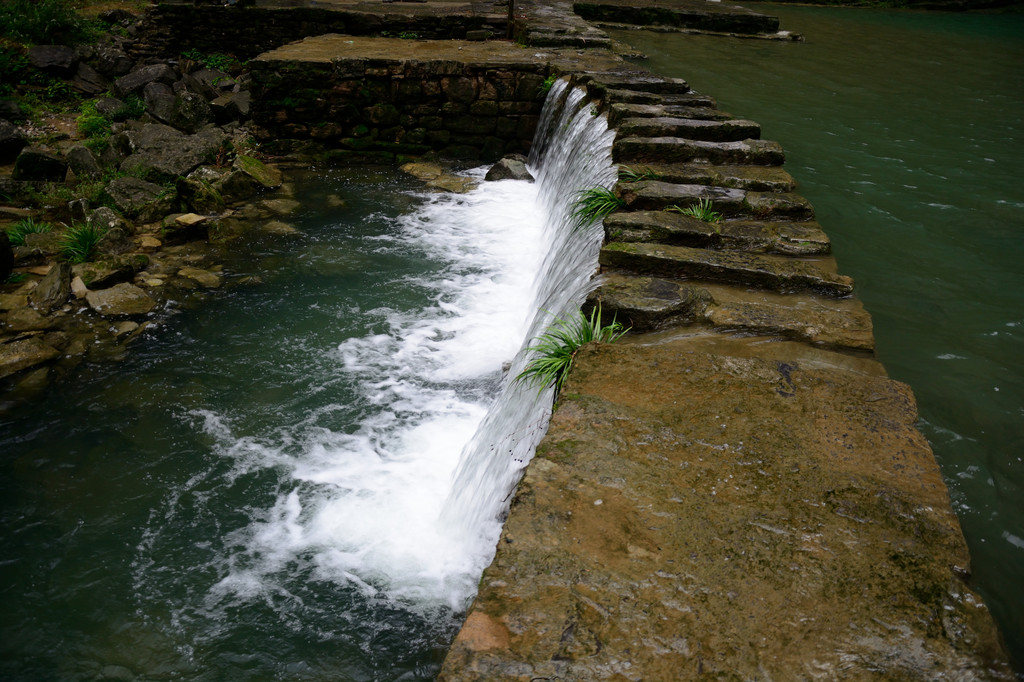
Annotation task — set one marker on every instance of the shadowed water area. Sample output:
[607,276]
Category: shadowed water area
[905,131]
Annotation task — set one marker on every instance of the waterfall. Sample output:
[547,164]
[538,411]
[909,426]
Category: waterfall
[572,151]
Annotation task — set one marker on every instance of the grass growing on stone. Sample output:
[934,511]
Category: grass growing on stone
[80,241]
[627,174]
[555,349]
[24,227]
[594,204]
[702,210]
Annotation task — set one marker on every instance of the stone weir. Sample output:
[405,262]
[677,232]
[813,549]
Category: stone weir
[734,491]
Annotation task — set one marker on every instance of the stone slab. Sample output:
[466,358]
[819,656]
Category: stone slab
[679,150]
[692,516]
[776,273]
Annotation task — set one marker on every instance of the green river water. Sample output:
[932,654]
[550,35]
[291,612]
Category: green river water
[906,132]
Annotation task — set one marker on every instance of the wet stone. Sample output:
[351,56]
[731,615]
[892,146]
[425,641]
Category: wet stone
[678,150]
[647,303]
[121,300]
[24,353]
[691,129]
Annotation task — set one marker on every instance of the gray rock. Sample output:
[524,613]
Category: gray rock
[38,164]
[511,167]
[191,112]
[12,141]
[6,256]
[56,60]
[107,219]
[116,241]
[112,62]
[120,300]
[89,81]
[11,110]
[215,80]
[108,272]
[199,195]
[27,320]
[132,195]
[159,100]
[78,208]
[163,153]
[267,176]
[136,80]
[111,107]
[83,163]
[24,353]
[53,289]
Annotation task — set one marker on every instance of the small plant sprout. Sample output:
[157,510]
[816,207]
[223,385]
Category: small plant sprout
[545,86]
[627,174]
[702,210]
[80,241]
[24,227]
[594,204]
[555,350]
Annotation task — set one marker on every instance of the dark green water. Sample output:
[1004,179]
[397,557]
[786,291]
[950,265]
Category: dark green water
[906,131]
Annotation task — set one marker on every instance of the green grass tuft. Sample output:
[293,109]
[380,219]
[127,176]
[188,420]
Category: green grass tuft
[555,349]
[26,226]
[627,174]
[594,204]
[702,210]
[80,241]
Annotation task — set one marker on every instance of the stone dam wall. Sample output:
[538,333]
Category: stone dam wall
[736,490]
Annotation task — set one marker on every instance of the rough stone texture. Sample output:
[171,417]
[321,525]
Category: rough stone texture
[648,303]
[657,195]
[121,300]
[161,153]
[691,129]
[512,167]
[56,60]
[6,256]
[690,14]
[38,164]
[669,227]
[728,518]
[53,289]
[132,195]
[105,273]
[24,353]
[190,112]
[12,141]
[136,80]
[679,150]
[83,163]
[266,176]
[771,272]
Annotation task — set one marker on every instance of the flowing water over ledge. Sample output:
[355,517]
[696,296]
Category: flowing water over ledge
[904,130]
[267,489]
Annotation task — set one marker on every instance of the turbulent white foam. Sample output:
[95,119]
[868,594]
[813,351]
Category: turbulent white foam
[406,504]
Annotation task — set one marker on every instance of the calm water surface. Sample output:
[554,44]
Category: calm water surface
[906,131]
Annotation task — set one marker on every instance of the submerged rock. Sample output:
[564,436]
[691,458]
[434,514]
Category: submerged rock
[511,167]
[24,353]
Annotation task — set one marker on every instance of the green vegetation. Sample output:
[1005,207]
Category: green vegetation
[702,210]
[555,349]
[16,278]
[627,174]
[44,22]
[545,86]
[80,241]
[404,35]
[594,204]
[91,123]
[214,60]
[26,226]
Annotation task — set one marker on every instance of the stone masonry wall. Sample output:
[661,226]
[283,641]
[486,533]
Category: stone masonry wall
[391,106]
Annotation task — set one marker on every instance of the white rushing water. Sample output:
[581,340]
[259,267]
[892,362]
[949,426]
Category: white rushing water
[407,506]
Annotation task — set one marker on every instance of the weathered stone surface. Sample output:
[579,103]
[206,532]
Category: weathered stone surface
[669,227]
[511,167]
[6,256]
[692,516]
[765,271]
[24,353]
[775,205]
[190,112]
[266,176]
[231,106]
[657,195]
[113,62]
[106,272]
[679,150]
[111,107]
[648,303]
[53,289]
[89,81]
[159,98]
[26,320]
[178,229]
[757,178]
[621,111]
[204,278]
[12,141]
[700,16]
[136,80]
[824,325]
[163,153]
[107,219]
[83,163]
[690,129]
[38,164]
[56,60]
[199,195]
[131,195]
[121,300]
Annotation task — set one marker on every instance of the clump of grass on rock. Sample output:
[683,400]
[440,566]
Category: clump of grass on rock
[555,350]
[80,241]
[594,204]
[24,227]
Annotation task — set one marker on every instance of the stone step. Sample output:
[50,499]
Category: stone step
[701,16]
[613,95]
[776,273]
[667,227]
[649,304]
[678,150]
[655,195]
[756,178]
[620,111]
[601,83]
[733,130]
